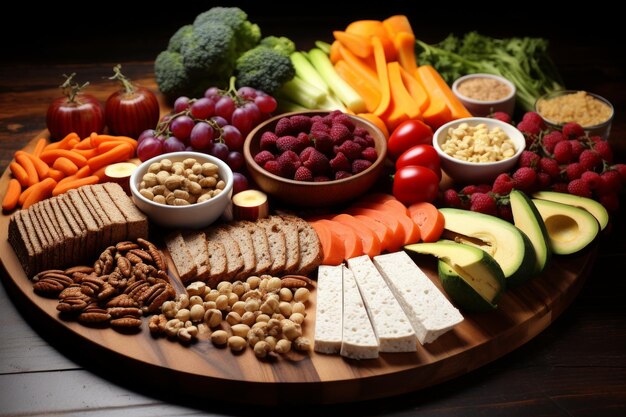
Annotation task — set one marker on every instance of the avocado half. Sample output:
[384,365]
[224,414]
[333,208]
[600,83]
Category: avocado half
[507,244]
[569,228]
[469,275]
[527,218]
[596,209]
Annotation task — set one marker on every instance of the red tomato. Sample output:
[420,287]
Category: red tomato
[408,134]
[413,184]
[422,155]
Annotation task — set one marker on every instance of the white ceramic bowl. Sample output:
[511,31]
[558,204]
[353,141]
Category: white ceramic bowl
[482,108]
[193,216]
[464,172]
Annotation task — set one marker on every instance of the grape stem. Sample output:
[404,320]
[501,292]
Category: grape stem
[71,89]
[129,88]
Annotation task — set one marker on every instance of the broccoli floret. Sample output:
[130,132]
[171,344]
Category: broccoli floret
[247,34]
[264,69]
[170,74]
[177,39]
[210,48]
[280,44]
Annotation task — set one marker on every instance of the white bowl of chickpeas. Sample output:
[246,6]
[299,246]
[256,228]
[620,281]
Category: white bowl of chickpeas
[475,150]
[183,190]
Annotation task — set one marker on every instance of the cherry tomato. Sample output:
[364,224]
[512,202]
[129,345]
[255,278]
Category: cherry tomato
[414,183]
[408,134]
[75,112]
[422,155]
[131,110]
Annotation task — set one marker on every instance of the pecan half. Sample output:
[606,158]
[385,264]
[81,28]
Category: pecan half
[72,304]
[126,322]
[157,324]
[126,246]
[117,312]
[144,255]
[94,316]
[308,280]
[83,269]
[41,274]
[122,300]
[124,265]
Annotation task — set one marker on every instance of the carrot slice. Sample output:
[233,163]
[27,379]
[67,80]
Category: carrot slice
[369,92]
[431,77]
[359,45]
[399,211]
[335,47]
[374,28]
[332,246]
[398,24]
[416,89]
[383,77]
[351,242]
[405,45]
[369,239]
[399,93]
[429,219]
[380,230]
[359,65]
[387,218]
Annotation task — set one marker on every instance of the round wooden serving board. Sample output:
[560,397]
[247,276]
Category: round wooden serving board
[204,370]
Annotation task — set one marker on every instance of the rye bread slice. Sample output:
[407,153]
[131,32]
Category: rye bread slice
[104,224]
[136,221]
[24,242]
[197,244]
[292,244]
[234,258]
[55,240]
[65,242]
[46,256]
[180,254]
[276,241]
[311,254]
[240,233]
[67,210]
[93,232]
[118,221]
[63,228]
[217,263]
[260,245]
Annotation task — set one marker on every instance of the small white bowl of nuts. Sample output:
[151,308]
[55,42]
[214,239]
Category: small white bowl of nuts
[475,150]
[186,190]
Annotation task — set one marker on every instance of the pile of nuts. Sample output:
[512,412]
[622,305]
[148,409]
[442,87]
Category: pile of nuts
[127,281]
[181,183]
[264,312]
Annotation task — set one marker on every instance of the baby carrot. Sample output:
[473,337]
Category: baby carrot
[100,173]
[49,156]
[83,144]
[19,173]
[63,143]
[55,174]
[119,153]
[64,165]
[41,144]
[41,167]
[12,196]
[69,185]
[40,191]
[97,140]
[28,166]
[87,153]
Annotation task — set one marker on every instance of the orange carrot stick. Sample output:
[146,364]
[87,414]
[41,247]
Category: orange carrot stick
[19,173]
[97,140]
[65,166]
[70,185]
[433,78]
[100,173]
[49,156]
[405,44]
[87,153]
[119,153]
[41,144]
[83,144]
[369,92]
[360,66]
[399,93]
[359,45]
[41,167]
[12,196]
[40,191]
[29,167]
[416,89]
[383,77]
[63,143]
[55,174]
[397,24]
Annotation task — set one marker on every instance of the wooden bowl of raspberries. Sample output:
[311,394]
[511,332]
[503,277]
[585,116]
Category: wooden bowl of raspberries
[315,158]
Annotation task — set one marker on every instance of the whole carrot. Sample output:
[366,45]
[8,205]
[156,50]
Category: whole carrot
[12,196]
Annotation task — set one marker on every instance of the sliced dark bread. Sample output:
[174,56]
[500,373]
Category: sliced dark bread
[180,254]
[217,263]
[197,245]
[102,220]
[46,256]
[234,258]
[260,245]
[66,242]
[24,242]
[93,237]
[292,245]
[66,209]
[118,221]
[72,243]
[136,221]
[311,254]
[53,237]
[276,239]
[239,232]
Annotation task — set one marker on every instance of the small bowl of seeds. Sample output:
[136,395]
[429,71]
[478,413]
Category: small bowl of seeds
[484,94]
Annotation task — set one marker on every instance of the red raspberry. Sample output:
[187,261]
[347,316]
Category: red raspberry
[551,139]
[262,157]
[300,123]
[359,131]
[524,179]
[370,154]
[451,198]
[469,189]
[577,148]
[323,142]
[321,178]
[550,167]
[483,188]
[611,182]
[592,179]
[350,149]
[579,187]
[361,141]
[596,139]
[610,201]
[505,212]
[543,181]
[333,114]
[289,143]
[502,116]
[573,130]
[503,184]
[339,175]
[621,168]
[370,140]
[320,127]
[340,163]
[317,162]
[483,203]
[533,118]
[288,162]
[339,133]
[306,153]
[604,150]
[589,159]
[303,174]
[360,165]
[283,127]
[560,187]
[272,167]
[304,139]
[345,120]
[528,159]
[563,152]
[268,141]
[574,170]
[529,127]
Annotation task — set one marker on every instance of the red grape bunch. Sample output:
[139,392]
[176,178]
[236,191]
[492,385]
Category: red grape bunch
[216,124]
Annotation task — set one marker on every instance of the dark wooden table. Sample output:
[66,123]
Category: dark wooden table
[576,367]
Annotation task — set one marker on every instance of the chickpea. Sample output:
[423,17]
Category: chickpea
[240,329]
[196,313]
[237,343]
[261,349]
[219,337]
[283,346]
[213,318]
[301,295]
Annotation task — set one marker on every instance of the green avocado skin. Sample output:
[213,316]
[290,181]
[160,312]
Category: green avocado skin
[460,291]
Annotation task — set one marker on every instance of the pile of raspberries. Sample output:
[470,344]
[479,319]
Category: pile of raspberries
[318,148]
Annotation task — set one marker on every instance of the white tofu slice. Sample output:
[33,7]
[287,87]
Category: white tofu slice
[329,310]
